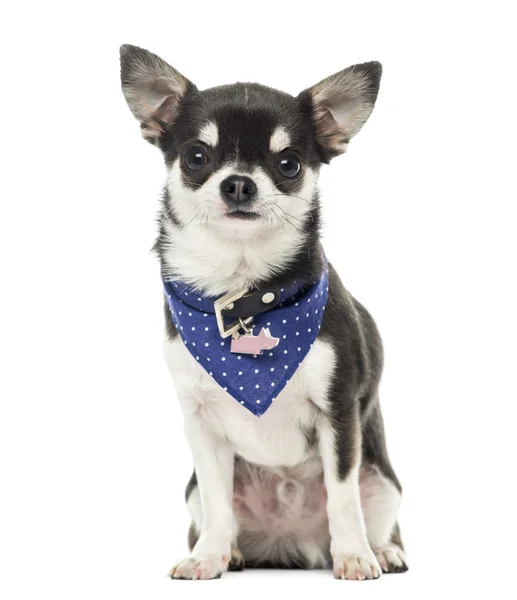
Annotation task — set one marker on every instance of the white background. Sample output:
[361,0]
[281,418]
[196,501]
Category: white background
[420,222]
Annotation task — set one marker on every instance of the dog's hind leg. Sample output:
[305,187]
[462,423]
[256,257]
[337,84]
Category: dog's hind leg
[380,497]
[194,506]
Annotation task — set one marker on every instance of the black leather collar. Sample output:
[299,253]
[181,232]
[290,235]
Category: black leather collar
[255,303]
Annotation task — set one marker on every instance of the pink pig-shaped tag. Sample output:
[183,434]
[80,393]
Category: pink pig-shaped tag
[254,344]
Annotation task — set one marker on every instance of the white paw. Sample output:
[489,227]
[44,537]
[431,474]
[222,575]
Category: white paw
[392,559]
[355,567]
[209,567]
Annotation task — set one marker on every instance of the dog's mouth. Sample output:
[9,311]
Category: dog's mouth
[244,215]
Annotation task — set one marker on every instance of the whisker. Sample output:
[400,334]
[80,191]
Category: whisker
[293,225]
[195,215]
[270,212]
[280,221]
[293,196]
[292,216]
[288,220]
[289,214]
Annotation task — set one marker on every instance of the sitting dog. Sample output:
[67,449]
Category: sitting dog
[275,364]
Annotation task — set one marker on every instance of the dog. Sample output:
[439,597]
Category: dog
[275,364]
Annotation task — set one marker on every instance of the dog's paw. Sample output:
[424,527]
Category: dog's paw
[392,559]
[236,561]
[355,567]
[209,567]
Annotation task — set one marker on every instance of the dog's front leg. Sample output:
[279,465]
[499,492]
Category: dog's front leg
[340,448]
[213,460]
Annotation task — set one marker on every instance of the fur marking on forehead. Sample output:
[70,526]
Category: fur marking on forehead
[209,134]
[280,140]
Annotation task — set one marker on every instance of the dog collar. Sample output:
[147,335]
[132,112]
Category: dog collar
[253,357]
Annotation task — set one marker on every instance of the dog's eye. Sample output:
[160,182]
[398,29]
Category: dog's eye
[289,166]
[196,158]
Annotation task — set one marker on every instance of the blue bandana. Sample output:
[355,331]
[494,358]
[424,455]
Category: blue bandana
[254,380]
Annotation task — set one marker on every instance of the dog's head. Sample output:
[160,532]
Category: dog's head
[244,158]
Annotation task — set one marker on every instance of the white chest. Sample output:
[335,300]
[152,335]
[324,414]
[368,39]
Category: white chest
[277,438]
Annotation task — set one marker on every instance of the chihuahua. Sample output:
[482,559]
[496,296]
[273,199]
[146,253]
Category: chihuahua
[276,365]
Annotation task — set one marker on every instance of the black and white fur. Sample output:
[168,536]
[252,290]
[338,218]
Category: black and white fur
[309,484]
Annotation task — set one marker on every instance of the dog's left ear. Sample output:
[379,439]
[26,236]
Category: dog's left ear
[153,89]
[341,105]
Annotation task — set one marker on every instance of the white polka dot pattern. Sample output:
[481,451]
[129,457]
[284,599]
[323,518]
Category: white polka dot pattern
[253,380]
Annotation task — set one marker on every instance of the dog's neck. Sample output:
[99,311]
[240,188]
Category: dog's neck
[216,263]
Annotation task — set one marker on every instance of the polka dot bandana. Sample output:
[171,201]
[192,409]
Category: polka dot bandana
[253,380]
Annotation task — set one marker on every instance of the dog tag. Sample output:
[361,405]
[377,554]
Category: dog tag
[254,344]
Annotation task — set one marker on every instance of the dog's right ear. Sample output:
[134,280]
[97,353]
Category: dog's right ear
[153,90]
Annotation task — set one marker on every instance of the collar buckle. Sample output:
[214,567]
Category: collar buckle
[226,302]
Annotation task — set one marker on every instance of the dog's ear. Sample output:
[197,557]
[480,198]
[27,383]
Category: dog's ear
[342,103]
[152,88]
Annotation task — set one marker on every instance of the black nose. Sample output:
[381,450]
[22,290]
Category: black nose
[238,190]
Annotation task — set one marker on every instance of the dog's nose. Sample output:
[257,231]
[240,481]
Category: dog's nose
[238,190]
